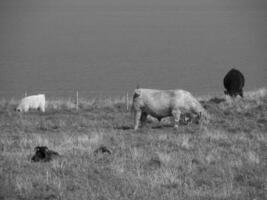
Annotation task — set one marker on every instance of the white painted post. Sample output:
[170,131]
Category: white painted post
[25,94]
[127,101]
[77,100]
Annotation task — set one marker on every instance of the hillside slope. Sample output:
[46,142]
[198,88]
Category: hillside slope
[226,159]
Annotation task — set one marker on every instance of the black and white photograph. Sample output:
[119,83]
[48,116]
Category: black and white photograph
[133,99]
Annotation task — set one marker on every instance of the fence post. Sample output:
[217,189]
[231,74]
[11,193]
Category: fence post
[77,100]
[25,94]
[127,101]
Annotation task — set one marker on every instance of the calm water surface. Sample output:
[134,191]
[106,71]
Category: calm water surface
[58,46]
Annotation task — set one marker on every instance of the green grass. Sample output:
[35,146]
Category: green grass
[226,159]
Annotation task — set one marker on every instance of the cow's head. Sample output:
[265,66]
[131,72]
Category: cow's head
[17,109]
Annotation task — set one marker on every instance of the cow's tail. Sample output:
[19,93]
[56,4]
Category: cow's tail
[135,95]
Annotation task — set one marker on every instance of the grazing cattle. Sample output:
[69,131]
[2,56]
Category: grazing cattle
[234,82]
[43,154]
[164,103]
[32,102]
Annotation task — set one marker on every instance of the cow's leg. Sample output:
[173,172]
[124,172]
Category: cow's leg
[143,118]
[176,117]
[160,123]
[137,119]
[42,108]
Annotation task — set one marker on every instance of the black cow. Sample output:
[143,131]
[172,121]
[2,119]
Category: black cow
[102,149]
[43,154]
[234,82]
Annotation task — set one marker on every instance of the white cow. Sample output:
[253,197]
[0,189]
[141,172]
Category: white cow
[164,103]
[32,102]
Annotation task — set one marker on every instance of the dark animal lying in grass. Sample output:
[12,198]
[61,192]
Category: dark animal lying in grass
[43,154]
[152,164]
[102,149]
[234,82]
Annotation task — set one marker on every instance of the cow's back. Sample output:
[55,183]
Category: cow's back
[234,82]
[157,102]
[33,101]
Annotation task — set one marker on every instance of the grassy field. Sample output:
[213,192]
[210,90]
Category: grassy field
[225,159]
